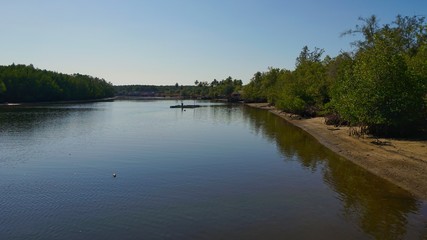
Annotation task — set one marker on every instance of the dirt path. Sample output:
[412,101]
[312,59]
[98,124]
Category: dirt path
[401,162]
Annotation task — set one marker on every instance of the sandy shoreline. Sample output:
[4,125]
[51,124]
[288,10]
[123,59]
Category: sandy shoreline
[401,162]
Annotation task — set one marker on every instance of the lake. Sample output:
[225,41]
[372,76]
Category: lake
[215,172]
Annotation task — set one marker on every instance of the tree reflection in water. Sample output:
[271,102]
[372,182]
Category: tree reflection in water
[380,208]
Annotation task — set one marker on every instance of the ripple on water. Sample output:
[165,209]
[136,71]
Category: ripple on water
[223,172]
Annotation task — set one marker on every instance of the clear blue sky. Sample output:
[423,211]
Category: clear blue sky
[164,42]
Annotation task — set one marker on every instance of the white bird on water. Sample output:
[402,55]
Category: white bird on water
[114,175]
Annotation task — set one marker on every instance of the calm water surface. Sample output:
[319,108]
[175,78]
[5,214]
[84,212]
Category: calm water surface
[216,172]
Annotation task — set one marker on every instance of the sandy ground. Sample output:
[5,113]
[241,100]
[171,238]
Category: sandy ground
[401,162]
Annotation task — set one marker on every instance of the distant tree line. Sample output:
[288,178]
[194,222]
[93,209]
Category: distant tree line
[202,89]
[147,90]
[381,86]
[21,83]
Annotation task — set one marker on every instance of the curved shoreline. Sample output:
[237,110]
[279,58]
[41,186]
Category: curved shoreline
[401,162]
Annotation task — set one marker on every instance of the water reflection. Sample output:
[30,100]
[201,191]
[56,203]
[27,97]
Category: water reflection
[26,129]
[208,173]
[378,207]
[29,118]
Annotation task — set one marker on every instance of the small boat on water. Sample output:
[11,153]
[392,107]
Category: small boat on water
[185,106]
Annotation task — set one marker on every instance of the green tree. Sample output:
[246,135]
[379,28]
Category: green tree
[2,90]
[380,92]
[306,91]
[27,84]
[252,92]
[368,30]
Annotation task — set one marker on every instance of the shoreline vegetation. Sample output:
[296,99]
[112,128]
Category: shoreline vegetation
[379,88]
[229,89]
[27,84]
[401,162]
[365,104]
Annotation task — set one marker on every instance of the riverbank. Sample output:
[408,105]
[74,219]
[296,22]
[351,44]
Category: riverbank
[402,162]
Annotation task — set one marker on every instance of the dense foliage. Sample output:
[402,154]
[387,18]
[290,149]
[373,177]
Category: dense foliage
[381,86]
[216,89]
[21,83]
